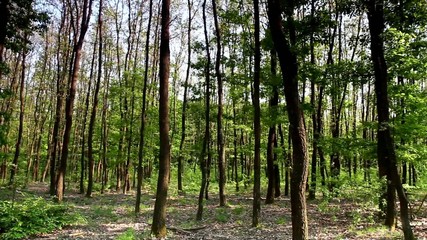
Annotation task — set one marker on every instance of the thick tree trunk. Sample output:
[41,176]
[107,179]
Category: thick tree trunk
[386,153]
[158,227]
[289,66]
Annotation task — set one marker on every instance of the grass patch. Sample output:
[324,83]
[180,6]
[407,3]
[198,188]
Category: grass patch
[221,215]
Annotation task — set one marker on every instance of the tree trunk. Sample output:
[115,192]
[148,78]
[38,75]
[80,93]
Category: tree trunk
[69,106]
[312,190]
[5,13]
[289,66]
[143,113]
[184,103]
[54,146]
[386,153]
[15,162]
[220,137]
[273,182]
[94,105]
[256,209]
[206,138]
[158,227]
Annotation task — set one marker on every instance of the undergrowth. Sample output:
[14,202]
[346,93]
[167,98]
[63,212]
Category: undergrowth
[32,216]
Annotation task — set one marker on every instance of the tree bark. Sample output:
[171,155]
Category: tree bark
[94,105]
[256,208]
[273,188]
[386,153]
[184,103]
[15,162]
[69,106]
[220,134]
[289,66]
[143,112]
[206,139]
[5,13]
[158,227]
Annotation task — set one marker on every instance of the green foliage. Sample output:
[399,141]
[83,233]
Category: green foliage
[32,216]
[222,215]
[130,234]
[24,19]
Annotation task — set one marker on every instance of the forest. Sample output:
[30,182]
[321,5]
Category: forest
[220,119]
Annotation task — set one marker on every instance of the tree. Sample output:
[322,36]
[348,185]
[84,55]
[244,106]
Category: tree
[289,67]
[158,227]
[143,113]
[5,12]
[69,105]
[220,130]
[273,174]
[95,105]
[387,163]
[257,122]
[14,168]
[184,103]
[206,139]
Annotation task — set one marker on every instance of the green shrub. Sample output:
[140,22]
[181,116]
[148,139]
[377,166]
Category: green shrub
[31,216]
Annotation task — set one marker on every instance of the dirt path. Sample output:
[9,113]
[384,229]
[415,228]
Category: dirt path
[110,216]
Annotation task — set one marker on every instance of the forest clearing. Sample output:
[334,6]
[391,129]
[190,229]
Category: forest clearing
[219,119]
[111,216]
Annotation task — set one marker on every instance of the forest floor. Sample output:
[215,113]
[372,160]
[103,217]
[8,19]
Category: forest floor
[111,216]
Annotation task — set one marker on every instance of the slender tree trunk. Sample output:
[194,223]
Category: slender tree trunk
[158,227]
[386,153]
[184,103]
[143,113]
[54,146]
[15,161]
[273,104]
[87,102]
[312,190]
[235,161]
[220,130]
[206,138]
[94,105]
[5,13]
[69,106]
[256,208]
[105,129]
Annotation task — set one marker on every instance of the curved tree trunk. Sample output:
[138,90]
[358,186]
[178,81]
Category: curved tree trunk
[220,134]
[289,66]
[386,153]
[69,106]
[206,138]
